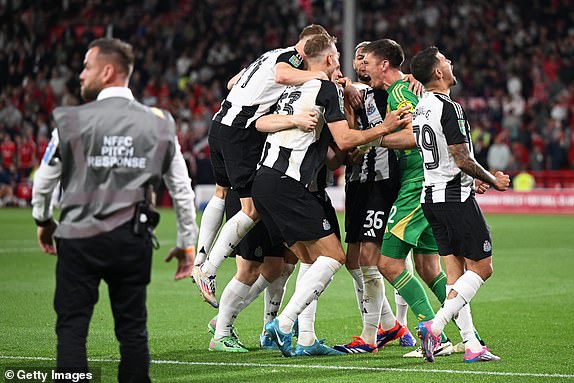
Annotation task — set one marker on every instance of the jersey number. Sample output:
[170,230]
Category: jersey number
[286,100]
[392,214]
[374,219]
[426,139]
[251,69]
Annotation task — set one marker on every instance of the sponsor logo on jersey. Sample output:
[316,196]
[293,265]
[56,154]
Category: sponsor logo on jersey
[406,103]
[296,61]
[487,246]
[326,225]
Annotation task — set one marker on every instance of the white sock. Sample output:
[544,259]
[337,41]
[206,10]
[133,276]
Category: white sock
[388,319]
[260,284]
[274,294]
[231,303]
[210,223]
[310,287]
[231,234]
[307,335]
[307,316]
[465,326]
[466,286]
[358,282]
[372,302]
[401,305]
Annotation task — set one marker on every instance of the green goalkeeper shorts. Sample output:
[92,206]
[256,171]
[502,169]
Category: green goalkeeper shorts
[407,227]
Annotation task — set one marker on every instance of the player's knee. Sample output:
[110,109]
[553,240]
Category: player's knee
[339,256]
[247,276]
[250,211]
[370,254]
[390,268]
[486,271]
[221,191]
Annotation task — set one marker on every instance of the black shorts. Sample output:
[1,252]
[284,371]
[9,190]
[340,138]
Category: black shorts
[234,154]
[290,211]
[256,244]
[459,229]
[330,211]
[367,207]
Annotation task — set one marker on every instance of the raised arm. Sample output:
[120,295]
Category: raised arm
[287,75]
[470,166]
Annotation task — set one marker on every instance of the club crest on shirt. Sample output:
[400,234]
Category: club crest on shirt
[259,252]
[295,60]
[371,108]
[487,246]
[326,225]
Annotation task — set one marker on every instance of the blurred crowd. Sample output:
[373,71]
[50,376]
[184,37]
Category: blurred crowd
[515,66]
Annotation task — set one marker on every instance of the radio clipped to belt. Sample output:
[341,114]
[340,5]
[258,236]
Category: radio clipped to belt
[146,218]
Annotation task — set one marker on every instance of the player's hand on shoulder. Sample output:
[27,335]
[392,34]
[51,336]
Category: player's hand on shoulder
[502,182]
[414,86]
[184,261]
[305,121]
[351,93]
[396,118]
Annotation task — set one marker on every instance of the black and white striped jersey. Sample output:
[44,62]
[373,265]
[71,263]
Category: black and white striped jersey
[378,163]
[438,122]
[256,90]
[297,154]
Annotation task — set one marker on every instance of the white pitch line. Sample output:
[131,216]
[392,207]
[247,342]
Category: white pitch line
[20,249]
[318,366]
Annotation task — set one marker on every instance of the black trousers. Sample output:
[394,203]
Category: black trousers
[123,261]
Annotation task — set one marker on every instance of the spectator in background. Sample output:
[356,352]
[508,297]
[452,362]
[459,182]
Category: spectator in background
[537,160]
[499,155]
[556,148]
[7,185]
[523,182]
[8,149]
[26,154]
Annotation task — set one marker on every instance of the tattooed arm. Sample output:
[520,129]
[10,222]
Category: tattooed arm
[467,164]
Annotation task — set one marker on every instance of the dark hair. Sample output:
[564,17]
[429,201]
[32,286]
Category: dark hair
[361,45]
[119,51]
[313,29]
[386,49]
[424,63]
[318,44]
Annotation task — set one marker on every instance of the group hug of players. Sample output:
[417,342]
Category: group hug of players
[289,120]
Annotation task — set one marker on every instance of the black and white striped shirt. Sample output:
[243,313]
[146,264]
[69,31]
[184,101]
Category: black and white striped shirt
[439,122]
[378,163]
[256,90]
[297,154]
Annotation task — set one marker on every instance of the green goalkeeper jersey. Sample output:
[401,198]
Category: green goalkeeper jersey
[410,161]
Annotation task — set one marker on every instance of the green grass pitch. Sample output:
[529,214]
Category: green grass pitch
[524,312]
